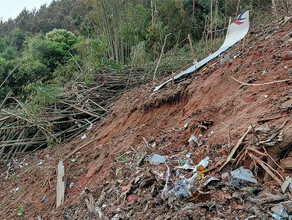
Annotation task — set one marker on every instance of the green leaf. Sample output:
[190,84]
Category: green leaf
[19,210]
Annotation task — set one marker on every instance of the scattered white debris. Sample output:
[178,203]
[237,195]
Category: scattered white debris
[180,189]
[182,186]
[280,210]
[90,126]
[157,159]
[165,189]
[77,123]
[87,129]
[204,163]
[224,175]
[286,183]
[71,185]
[188,155]
[9,165]
[193,141]
[244,174]
[212,178]
[83,137]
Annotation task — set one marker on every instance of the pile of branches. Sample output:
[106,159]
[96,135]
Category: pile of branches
[79,106]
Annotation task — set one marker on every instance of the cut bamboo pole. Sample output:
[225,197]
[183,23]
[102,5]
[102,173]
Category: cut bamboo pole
[60,188]
[191,46]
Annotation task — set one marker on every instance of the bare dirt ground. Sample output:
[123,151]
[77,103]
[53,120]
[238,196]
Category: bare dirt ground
[109,176]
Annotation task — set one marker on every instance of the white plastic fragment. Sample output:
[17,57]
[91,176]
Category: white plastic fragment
[286,183]
[204,163]
[165,189]
[278,217]
[77,123]
[180,189]
[157,159]
[212,178]
[181,186]
[83,137]
[87,129]
[250,217]
[71,185]
[244,174]
[280,210]
[9,165]
[193,141]
[224,175]
[90,126]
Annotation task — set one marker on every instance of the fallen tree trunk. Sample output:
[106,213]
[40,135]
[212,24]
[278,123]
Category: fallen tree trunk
[280,149]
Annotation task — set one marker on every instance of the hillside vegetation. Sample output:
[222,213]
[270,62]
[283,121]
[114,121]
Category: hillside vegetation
[71,39]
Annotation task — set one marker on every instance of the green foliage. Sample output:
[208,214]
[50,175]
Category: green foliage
[66,38]
[3,66]
[2,45]
[64,73]
[31,70]
[9,53]
[19,210]
[18,38]
[94,49]
[135,19]
[41,95]
[59,44]
[139,54]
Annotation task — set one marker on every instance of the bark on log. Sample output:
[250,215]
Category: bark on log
[279,150]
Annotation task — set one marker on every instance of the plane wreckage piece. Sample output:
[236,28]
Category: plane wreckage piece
[236,31]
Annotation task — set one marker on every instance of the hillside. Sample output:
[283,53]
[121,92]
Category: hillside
[109,176]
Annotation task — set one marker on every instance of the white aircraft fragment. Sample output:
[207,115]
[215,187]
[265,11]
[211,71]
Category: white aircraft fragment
[236,31]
